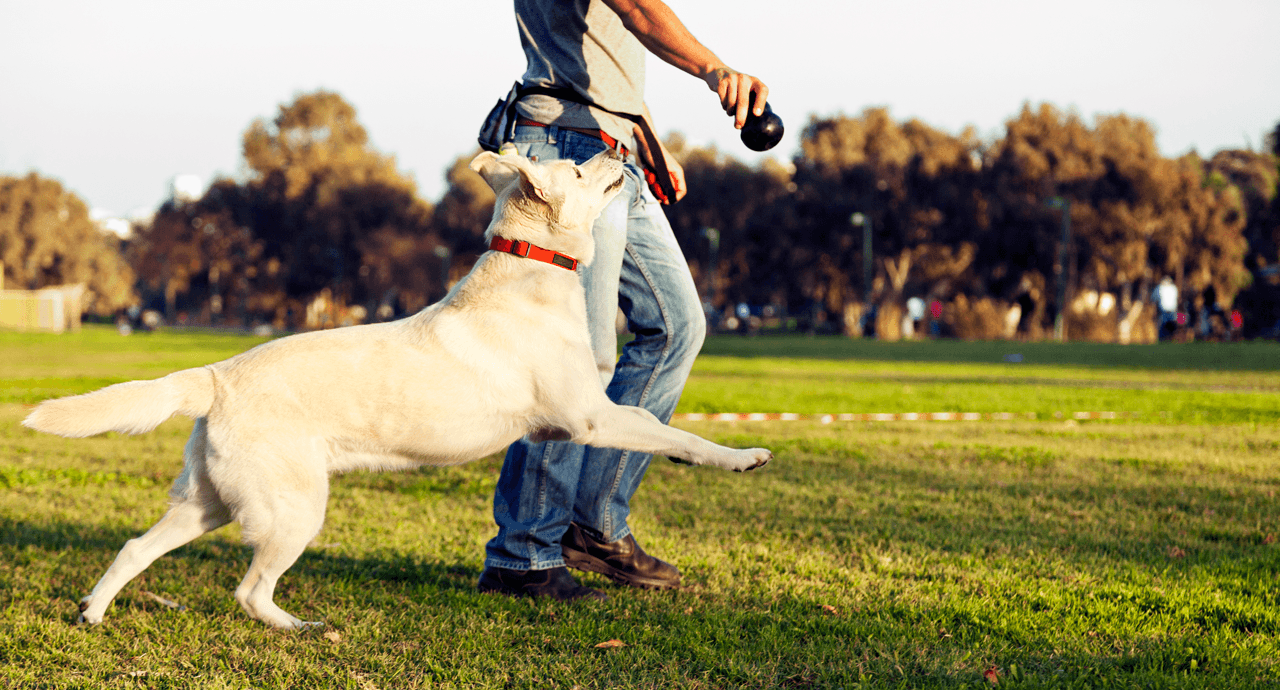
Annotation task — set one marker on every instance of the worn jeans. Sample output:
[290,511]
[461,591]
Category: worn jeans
[639,267]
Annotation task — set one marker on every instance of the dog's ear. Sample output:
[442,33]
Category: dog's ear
[500,171]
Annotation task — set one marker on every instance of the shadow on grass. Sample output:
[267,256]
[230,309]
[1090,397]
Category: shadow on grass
[388,566]
[61,536]
[38,540]
[730,638]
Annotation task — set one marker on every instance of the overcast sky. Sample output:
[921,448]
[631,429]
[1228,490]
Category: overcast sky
[116,98]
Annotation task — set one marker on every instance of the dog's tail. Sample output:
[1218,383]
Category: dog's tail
[132,408]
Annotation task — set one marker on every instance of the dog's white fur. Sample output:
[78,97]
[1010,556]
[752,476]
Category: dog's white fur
[506,354]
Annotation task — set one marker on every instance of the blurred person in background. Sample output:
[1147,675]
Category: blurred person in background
[1166,299]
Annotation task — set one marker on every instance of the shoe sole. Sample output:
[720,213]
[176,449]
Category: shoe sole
[585,561]
[589,595]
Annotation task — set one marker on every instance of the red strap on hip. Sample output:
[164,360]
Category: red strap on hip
[533,251]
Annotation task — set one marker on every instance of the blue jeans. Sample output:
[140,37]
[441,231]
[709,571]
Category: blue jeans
[639,267]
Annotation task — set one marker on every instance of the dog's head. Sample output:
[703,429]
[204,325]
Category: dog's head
[553,203]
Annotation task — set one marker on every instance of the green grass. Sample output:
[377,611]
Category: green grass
[1206,356]
[1138,553]
[773,384]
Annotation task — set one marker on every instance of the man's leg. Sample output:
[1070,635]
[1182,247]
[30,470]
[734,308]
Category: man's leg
[660,302]
[538,484]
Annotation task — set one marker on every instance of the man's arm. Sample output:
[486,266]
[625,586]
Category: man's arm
[661,32]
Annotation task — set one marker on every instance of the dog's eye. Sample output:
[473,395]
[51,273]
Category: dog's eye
[578,173]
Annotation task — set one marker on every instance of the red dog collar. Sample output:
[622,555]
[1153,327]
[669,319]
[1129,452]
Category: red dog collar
[531,251]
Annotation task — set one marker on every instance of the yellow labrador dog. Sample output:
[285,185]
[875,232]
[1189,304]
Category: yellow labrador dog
[504,355]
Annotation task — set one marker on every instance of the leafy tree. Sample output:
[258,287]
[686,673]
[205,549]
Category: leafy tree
[460,219]
[1256,175]
[955,219]
[737,263]
[47,238]
[318,190]
[1207,224]
[1135,216]
[464,212]
[917,186]
[953,216]
[319,210]
[202,252]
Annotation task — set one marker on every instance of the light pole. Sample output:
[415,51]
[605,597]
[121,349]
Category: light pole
[713,242]
[442,252]
[1062,204]
[868,261]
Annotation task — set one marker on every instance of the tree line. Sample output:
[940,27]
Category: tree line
[1059,221]
[979,226]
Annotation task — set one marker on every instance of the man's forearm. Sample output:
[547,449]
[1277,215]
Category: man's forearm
[662,33]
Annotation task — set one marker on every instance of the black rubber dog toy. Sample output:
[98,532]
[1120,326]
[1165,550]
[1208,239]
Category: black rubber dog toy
[762,132]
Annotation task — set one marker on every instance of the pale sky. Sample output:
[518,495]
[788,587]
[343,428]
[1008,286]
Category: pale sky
[114,98]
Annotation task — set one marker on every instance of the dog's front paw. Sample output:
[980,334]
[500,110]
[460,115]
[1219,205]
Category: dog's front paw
[752,458]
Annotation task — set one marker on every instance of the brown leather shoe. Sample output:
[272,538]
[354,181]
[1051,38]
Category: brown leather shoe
[555,583]
[622,561]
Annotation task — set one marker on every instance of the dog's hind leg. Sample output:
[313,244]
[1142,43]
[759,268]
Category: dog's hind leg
[279,525]
[195,510]
[273,553]
[184,521]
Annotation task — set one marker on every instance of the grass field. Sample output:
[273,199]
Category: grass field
[1049,553]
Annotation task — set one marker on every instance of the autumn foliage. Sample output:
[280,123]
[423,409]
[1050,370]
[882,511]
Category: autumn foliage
[322,229]
[978,226]
[47,238]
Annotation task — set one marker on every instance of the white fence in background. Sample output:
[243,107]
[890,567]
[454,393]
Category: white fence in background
[54,309]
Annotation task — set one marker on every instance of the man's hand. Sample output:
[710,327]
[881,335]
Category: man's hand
[735,89]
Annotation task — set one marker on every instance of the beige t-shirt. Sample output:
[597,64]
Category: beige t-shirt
[581,45]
